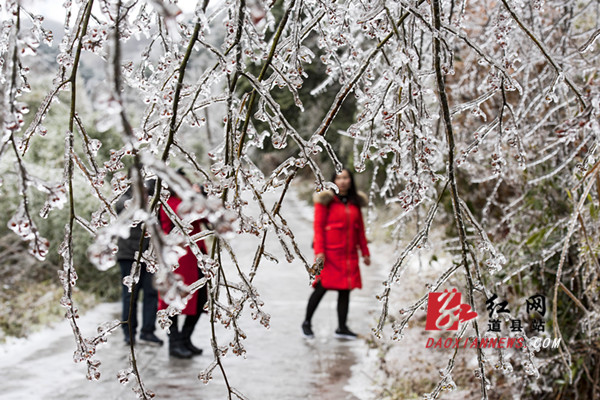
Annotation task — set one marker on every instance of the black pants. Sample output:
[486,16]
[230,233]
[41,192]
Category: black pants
[342,305]
[189,323]
[149,304]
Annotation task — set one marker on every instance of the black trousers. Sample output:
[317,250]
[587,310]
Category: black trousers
[149,303]
[342,305]
[189,323]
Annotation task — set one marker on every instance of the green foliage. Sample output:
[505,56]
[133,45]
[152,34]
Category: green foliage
[316,107]
[48,153]
[28,306]
[532,239]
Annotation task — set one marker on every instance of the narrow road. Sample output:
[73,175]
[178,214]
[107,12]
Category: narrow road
[280,364]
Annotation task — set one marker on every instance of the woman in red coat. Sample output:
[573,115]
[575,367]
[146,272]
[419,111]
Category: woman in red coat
[339,232]
[180,343]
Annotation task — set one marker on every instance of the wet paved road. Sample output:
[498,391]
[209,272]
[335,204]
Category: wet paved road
[280,363]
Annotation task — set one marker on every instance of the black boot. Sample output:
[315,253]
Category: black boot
[186,334]
[176,346]
[178,350]
[187,343]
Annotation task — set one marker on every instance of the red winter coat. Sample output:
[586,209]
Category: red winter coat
[188,264]
[339,232]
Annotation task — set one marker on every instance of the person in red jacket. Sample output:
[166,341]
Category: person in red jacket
[339,232]
[180,343]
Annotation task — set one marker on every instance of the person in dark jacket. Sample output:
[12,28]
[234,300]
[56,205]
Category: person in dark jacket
[126,257]
[339,232]
[180,340]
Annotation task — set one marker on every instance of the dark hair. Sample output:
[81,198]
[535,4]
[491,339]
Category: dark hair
[149,184]
[181,171]
[352,192]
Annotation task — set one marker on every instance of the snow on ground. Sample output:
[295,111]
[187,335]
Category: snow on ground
[280,364]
